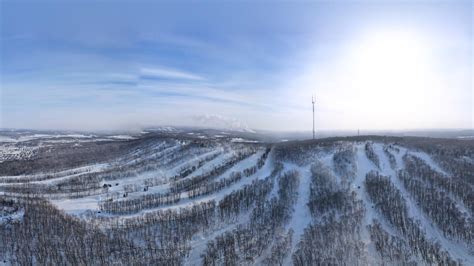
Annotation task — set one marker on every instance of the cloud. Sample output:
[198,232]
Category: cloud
[221,122]
[168,74]
[154,71]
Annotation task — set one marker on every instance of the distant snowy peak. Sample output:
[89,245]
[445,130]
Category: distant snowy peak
[222,122]
[122,137]
[165,129]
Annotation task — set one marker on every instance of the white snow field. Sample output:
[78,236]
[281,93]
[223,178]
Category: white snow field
[188,200]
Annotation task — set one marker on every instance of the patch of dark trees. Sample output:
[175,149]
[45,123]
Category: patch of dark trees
[391,204]
[432,192]
[248,241]
[333,237]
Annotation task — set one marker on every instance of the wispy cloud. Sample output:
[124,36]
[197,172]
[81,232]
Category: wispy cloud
[168,73]
[165,65]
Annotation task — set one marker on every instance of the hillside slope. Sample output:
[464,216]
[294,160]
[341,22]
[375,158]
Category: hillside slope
[192,201]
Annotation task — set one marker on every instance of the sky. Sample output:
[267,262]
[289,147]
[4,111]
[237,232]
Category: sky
[102,65]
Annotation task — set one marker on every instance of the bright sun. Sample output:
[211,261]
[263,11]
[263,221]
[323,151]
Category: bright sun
[384,79]
[390,70]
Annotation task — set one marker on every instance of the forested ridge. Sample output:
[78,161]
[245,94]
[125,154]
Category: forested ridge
[183,200]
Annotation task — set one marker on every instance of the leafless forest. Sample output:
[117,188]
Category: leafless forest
[184,198]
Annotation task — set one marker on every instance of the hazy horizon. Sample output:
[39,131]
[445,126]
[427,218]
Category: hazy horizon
[90,66]
[282,134]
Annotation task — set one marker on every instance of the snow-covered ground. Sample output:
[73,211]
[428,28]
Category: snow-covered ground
[456,250]
[10,217]
[163,161]
[243,140]
[122,137]
[301,216]
[364,166]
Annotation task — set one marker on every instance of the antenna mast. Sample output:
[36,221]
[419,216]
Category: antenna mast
[313,101]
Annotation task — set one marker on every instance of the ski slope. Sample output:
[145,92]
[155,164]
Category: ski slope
[164,182]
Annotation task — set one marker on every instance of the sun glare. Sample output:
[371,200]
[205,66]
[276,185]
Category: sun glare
[384,79]
[389,70]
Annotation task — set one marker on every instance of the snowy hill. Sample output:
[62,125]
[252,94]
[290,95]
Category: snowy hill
[191,199]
